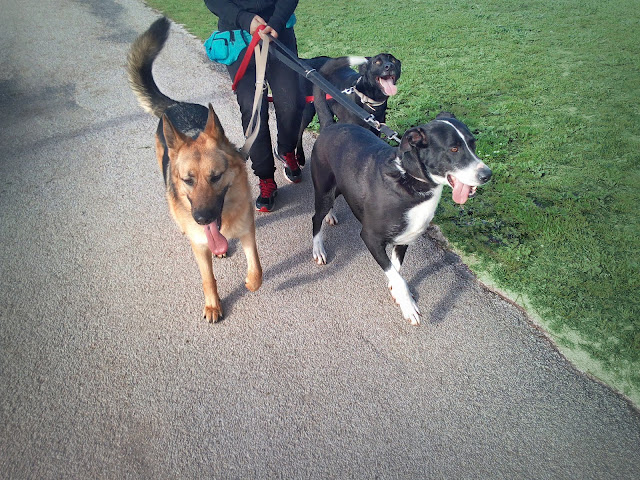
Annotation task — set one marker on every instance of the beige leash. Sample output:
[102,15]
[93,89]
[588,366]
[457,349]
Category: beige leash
[261,53]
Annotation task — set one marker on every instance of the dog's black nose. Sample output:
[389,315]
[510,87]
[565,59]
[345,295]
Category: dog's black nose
[203,216]
[484,175]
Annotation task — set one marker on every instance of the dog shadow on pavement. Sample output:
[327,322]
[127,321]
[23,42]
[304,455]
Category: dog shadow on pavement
[445,304]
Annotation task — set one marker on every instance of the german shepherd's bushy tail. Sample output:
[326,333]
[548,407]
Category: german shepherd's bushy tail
[142,54]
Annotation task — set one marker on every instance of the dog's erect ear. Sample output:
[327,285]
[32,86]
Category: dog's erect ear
[414,137]
[173,137]
[213,127]
[445,115]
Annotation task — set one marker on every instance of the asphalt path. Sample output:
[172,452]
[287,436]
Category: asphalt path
[108,371]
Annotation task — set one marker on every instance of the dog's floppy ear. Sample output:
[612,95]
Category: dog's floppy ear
[213,128]
[173,137]
[414,137]
[444,114]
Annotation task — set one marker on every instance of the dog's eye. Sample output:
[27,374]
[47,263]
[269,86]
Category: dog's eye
[189,181]
[454,149]
[215,178]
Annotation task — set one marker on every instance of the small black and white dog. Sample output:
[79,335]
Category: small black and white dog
[393,192]
[369,87]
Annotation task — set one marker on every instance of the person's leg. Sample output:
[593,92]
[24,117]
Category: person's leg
[288,104]
[261,153]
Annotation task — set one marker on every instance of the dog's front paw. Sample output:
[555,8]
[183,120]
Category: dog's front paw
[411,312]
[414,317]
[212,314]
[402,296]
[319,253]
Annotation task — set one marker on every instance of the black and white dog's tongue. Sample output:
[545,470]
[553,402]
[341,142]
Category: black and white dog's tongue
[460,190]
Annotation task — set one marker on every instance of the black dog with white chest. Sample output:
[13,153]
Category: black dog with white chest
[393,192]
[370,87]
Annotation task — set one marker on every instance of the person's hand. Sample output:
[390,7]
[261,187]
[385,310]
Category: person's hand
[256,22]
[270,31]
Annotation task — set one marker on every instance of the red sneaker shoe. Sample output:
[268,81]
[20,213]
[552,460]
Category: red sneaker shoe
[292,170]
[267,198]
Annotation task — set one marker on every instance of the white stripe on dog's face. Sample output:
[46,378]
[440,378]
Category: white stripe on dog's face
[468,175]
[464,140]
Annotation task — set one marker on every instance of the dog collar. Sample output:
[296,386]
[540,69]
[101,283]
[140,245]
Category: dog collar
[403,172]
[369,102]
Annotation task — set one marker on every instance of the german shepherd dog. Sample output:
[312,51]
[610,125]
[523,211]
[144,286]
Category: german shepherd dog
[205,176]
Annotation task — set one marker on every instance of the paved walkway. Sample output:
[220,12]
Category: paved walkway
[107,371]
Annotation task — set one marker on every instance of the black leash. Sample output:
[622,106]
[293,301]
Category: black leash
[290,59]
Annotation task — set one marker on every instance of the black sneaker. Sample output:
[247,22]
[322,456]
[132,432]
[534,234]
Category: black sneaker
[267,198]
[292,170]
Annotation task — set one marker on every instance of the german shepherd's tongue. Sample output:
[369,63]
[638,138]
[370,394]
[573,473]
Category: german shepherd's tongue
[460,190]
[217,243]
[388,86]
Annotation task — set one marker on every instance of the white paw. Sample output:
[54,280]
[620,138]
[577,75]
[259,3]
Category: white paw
[408,307]
[402,296]
[319,253]
[330,218]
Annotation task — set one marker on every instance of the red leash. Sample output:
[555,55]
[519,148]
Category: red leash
[308,99]
[247,56]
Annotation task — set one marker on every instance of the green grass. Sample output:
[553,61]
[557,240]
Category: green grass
[551,90]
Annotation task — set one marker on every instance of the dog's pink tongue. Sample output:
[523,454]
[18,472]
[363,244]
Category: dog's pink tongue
[217,243]
[460,191]
[389,87]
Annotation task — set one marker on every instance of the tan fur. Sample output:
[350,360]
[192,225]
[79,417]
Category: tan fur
[210,153]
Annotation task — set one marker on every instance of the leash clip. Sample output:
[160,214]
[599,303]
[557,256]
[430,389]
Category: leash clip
[371,120]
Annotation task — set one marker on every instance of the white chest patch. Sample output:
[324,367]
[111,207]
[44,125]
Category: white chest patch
[418,219]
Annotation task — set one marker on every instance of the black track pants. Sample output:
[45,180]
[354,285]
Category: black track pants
[287,102]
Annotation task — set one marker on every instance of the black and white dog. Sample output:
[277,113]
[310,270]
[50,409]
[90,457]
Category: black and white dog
[393,192]
[369,87]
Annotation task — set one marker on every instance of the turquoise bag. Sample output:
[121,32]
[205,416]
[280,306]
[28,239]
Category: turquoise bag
[225,47]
